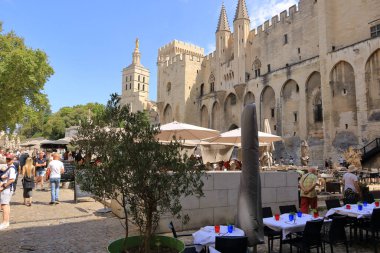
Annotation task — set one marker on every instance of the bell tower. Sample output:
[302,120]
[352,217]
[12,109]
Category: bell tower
[135,83]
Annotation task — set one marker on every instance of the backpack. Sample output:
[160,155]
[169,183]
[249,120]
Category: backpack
[5,171]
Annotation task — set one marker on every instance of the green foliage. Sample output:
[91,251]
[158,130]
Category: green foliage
[34,122]
[146,177]
[23,74]
[52,126]
[70,116]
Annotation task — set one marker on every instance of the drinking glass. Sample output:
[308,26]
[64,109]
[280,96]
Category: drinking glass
[299,214]
[315,214]
[377,203]
[360,207]
[277,217]
[348,206]
[365,203]
[217,229]
[230,228]
[291,217]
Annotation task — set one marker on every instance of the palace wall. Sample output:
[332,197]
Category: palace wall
[312,71]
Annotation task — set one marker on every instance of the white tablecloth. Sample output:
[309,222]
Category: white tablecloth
[286,226]
[353,212]
[206,235]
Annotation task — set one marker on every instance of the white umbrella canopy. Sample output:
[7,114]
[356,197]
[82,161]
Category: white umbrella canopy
[185,131]
[234,137]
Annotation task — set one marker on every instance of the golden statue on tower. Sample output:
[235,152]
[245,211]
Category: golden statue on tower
[137,43]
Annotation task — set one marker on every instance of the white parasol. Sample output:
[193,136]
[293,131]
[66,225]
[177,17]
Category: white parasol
[185,131]
[234,137]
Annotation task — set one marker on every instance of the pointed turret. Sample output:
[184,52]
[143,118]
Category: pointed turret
[241,11]
[223,21]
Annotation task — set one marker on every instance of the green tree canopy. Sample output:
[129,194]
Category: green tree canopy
[23,74]
[54,128]
[34,122]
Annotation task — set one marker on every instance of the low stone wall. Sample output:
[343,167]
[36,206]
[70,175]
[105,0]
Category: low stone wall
[219,205]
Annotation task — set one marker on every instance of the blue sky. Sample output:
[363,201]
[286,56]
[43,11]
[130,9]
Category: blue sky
[89,42]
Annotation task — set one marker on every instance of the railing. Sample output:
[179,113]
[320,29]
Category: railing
[370,149]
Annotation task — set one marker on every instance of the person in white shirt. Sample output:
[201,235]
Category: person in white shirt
[352,192]
[6,190]
[56,169]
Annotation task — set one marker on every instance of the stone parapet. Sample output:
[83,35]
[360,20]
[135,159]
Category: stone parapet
[219,204]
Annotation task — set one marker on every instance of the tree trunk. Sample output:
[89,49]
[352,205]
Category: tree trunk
[126,224]
[148,232]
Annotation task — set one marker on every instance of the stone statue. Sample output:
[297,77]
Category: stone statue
[266,158]
[137,43]
[304,153]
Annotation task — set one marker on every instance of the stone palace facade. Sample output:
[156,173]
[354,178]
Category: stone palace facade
[313,72]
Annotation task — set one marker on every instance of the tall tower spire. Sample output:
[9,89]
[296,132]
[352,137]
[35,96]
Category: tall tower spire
[136,54]
[223,21]
[241,11]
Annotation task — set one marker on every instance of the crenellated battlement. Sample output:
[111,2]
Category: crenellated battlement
[179,47]
[210,56]
[178,59]
[286,17]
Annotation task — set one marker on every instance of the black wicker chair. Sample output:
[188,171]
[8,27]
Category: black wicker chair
[336,234]
[311,237]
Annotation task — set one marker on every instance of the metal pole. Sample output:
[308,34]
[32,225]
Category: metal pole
[75,188]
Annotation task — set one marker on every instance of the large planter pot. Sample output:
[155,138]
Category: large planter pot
[134,241]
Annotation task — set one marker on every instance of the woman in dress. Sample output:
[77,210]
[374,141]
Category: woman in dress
[28,173]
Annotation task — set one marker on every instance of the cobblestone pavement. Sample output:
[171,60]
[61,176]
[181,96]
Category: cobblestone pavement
[67,227]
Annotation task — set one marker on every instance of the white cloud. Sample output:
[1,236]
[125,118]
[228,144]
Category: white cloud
[260,11]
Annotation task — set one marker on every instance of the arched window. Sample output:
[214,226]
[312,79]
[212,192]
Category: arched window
[318,109]
[126,86]
[211,81]
[138,78]
[138,86]
[202,89]
[143,87]
[257,66]
[143,79]
[169,87]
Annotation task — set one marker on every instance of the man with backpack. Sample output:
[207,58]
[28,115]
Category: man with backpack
[6,190]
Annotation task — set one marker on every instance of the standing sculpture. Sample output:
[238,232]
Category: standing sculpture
[304,153]
[249,216]
[137,42]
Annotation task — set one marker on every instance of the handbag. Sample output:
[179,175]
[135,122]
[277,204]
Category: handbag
[28,182]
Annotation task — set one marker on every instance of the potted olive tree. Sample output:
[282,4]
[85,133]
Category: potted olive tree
[124,161]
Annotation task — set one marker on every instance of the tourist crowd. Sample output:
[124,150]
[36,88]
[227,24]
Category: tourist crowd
[35,168]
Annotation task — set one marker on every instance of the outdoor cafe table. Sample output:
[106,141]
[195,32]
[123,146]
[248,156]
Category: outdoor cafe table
[206,235]
[353,211]
[286,226]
